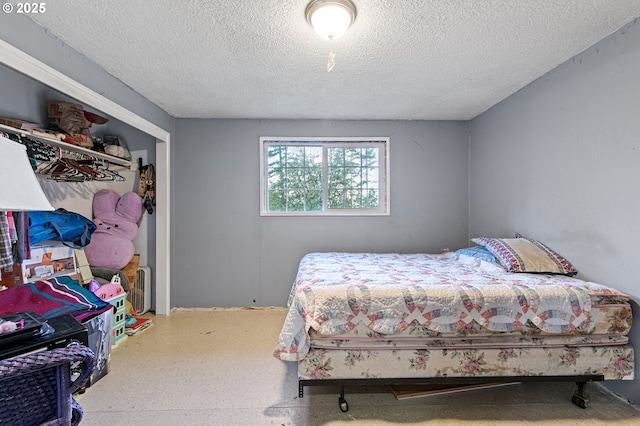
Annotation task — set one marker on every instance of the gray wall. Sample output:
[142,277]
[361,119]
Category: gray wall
[226,254]
[560,162]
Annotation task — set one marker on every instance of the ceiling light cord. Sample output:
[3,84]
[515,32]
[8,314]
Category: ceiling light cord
[331,62]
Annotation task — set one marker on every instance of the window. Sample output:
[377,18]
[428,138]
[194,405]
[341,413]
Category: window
[324,176]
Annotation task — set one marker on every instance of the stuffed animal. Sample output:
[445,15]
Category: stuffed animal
[116,219]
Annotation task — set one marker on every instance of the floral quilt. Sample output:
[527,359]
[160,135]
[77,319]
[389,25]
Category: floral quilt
[334,292]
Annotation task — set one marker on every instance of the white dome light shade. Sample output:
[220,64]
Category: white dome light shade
[330,22]
[330,19]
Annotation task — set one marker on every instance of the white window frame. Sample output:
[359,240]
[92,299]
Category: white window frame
[385,193]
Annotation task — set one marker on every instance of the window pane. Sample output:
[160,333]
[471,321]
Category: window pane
[336,157]
[313,156]
[275,154]
[295,177]
[276,201]
[295,156]
[352,177]
[295,201]
[314,201]
[370,199]
[276,179]
[336,198]
[336,177]
[352,156]
[371,177]
[313,178]
[351,171]
[352,199]
[370,157]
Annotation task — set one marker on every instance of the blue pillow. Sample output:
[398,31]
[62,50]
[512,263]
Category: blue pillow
[479,252]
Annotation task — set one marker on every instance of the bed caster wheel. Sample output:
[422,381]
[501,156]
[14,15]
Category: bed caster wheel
[344,407]
[580,400]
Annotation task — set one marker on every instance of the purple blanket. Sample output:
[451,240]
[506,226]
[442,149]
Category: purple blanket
[52,298]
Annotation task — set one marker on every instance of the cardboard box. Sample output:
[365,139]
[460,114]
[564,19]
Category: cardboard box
[99,330]
[11,276]
[48,261]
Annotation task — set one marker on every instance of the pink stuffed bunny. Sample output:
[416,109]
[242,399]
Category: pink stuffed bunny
[117,219]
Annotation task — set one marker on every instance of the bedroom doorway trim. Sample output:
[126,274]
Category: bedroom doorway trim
[20,61]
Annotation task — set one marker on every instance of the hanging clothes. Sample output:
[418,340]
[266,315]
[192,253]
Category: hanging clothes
[6,255]
[21,249]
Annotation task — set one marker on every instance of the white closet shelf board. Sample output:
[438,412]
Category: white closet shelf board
[70,147]
[21,62]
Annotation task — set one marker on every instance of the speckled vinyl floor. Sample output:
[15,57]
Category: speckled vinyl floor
[214,367]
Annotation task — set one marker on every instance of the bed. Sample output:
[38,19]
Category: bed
[462,317]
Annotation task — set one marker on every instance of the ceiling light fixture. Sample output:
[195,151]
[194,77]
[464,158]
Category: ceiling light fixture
[330,18]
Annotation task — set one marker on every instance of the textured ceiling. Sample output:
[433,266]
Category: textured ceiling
[405,59]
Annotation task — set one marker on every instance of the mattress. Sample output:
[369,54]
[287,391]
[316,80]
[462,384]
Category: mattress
[407,302]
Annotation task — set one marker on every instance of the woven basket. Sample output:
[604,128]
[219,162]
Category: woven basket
[37,389]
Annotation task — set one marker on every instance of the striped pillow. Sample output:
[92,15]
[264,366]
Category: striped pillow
[523,254]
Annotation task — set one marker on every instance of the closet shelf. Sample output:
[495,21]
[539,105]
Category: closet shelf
[69,147]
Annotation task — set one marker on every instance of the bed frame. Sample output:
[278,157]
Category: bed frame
[578,397]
